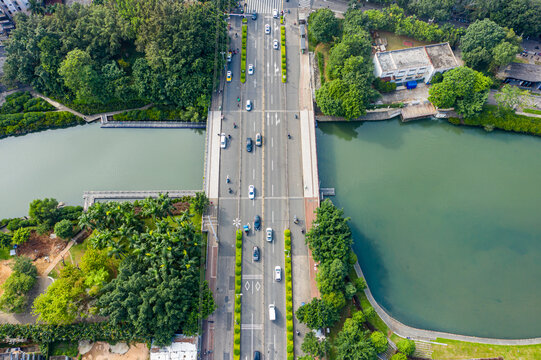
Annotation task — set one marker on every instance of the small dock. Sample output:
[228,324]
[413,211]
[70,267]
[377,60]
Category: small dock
[327,192]
[106,123]
[90,197]
[418,111]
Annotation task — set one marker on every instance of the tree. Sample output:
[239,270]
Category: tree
[317,314]
[36,7]
[323,25]
[379,341]
[510,97]
[79,74]
[44,211]
[352,343]
[399,356]
[350,291]
[406,346]
[330,236]
[438,10]
[335,299]
[64,229]
[330,277]
[462,88]
[487,45]
[312,346]
[21,236]
[357,44]
[200,202]
[17,285]
[5,240]
[59,305]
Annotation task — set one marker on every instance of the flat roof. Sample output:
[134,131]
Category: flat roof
[438,55]
[182,348]
[525,72]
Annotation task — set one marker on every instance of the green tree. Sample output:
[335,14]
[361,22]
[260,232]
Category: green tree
[350,291]
[312,346]
[25,266]
[44,211]
[79,74]
[379,341]
[358,44]
[323,25]
[60,304]
[462,88]
[352,343]
[504,53]
[438,10]
[511,97]
[200,202]
[17,285]
[406,346]
[317,314]
[36,7]
[64,229]
[5,240]
[20,236]
[330,277]
[335,299]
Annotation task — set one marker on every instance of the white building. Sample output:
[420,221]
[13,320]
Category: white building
[11,7]
[182,348]
[414,64]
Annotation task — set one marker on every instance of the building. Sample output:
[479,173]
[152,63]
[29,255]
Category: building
[11,7]
[414,64]
[524,75]
[182,348]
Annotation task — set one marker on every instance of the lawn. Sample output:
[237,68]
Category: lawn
[324,49]
[4,254]
[396,42]
[532,111]
[465,350]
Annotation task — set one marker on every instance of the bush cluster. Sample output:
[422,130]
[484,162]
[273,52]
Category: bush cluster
[17,285]
[243,54]
[289,294]
[283,51]
[90,108]
[491,117]
[384,86]
[24,123]
[238,289]
[321,66]
[163,113]
[22,101]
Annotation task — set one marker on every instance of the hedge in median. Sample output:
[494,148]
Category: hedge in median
[243,54]
[283,51]
[289,294]
[238,288]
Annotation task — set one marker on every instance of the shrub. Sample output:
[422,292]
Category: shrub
[406,346]
[379,341]
[399,356]
[20,236]
[64,229]
[24,123]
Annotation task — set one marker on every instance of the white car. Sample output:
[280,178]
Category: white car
[223,141]
[269,234]
[275,13]
[275,44]
[248,105]
[251,192]
[278,273]
[267,29]
[250,69]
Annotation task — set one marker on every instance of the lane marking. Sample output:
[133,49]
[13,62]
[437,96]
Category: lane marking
[272,189]
[253,173]
[251,326]
[272,165]
[252,277]
[254,125]
[272,142]
[272,216]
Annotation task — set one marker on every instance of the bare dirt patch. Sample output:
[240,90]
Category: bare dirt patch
[39,247]
[101,351]
[5,271]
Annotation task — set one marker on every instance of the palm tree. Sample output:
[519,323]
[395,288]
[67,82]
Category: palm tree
[36,7]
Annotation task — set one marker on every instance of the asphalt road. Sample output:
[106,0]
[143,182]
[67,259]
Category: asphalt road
[275,171]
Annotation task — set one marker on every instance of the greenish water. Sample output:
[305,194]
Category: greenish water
[446,222]
[64,163]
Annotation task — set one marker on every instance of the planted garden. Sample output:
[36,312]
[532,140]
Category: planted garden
[243,52]
[289,295]
[283,51]
[238,295]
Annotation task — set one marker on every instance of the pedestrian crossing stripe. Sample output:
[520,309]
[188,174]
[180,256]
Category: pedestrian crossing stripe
[263,6]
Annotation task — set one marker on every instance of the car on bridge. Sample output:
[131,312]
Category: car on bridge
[223,141]
[249,144]
[251,192]
[250,69]
[258,139]
[267,29]
[257,222]
[275,44]
[254,16]
[278,273]
[256,253]
[248,105]
[228,76]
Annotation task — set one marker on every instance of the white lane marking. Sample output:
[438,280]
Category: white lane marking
[272,216]
[272,165]
[272,190]
[254,126]
[255,44]
[272,142]
[268,71]
[255,83]
[253,173]
[251,327]
[268,119]
[277,119]
[252,277]
[272,99]
[252,333]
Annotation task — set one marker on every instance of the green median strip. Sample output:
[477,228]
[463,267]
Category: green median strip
[243,54]
[283,50]
[238,297]
[289,295]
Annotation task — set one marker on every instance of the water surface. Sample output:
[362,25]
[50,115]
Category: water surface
[446,221]
[64,163]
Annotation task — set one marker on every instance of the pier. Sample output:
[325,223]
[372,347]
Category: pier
[90,197]
[327,192]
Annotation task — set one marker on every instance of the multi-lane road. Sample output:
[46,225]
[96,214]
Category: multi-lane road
[274,169]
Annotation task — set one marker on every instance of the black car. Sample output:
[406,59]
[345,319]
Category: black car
[257,222]
[257,355]
[254,16]
[256,253]
[249,144]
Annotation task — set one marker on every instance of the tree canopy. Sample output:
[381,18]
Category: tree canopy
[317,314]
[17,285]
[462,88]
[323,25]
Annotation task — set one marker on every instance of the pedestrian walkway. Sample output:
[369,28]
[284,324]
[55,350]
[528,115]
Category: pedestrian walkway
[58,258]
[304,3]
[263,6]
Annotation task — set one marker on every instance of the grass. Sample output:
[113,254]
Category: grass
[520,60]
[465,350]
[396,42]
[532,111]
[4,254]
[324,50]
[64,348]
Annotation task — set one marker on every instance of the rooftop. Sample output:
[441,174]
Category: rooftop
[182,348]
[439,55]
[526,72]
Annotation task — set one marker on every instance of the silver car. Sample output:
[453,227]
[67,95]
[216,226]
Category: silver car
[269,234]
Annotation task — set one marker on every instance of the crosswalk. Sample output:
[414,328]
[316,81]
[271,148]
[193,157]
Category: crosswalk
[304,3]
[263,6]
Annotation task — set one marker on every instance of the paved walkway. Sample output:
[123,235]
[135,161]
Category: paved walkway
[58,258]
[419,334]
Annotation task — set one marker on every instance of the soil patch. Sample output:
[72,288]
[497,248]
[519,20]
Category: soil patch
[101,351]
[5,271]
[41,249]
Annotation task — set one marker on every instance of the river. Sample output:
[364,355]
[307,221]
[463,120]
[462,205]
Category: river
[446,221]
[64,163]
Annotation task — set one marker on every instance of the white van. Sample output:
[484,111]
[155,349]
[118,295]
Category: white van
[223,141]
[278,273]
[272,312]
[275,13]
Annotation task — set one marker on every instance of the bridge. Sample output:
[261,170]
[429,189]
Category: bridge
[105,123]
[90,197]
